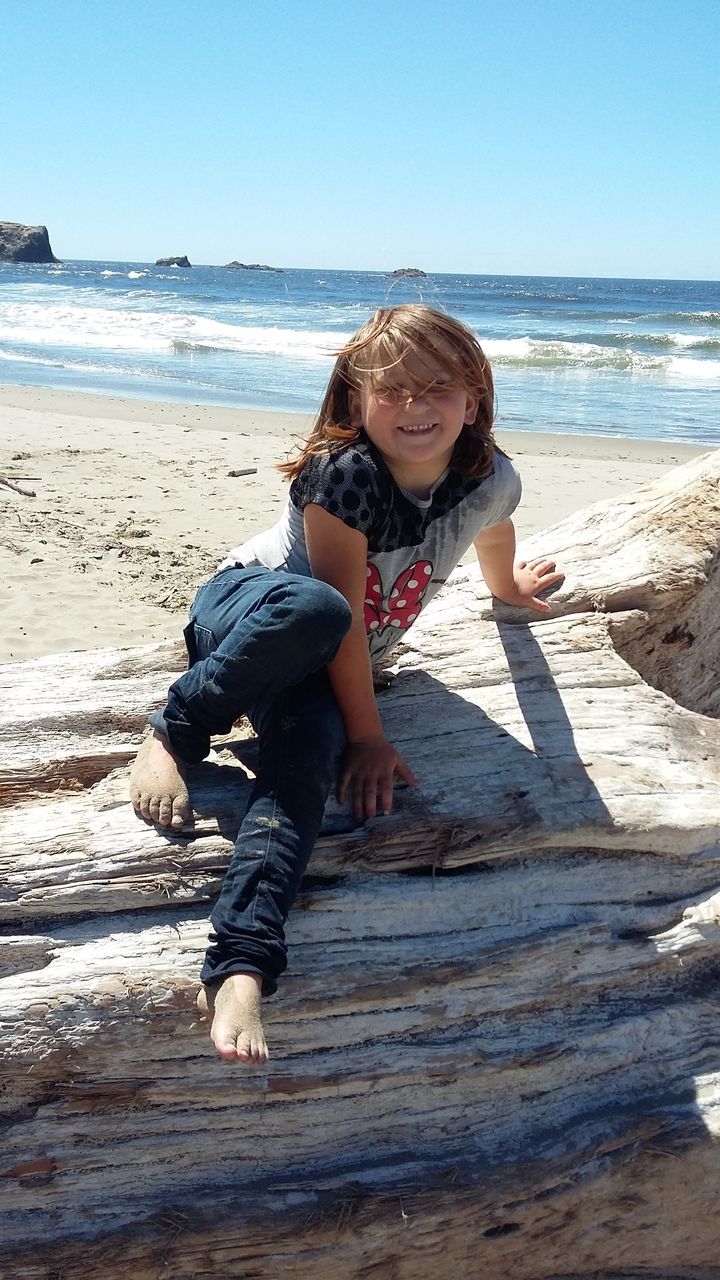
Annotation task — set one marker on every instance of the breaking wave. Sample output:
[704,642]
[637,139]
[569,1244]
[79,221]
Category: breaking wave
[31,325]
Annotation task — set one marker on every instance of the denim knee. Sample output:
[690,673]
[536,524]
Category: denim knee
[321,615]
[311,614]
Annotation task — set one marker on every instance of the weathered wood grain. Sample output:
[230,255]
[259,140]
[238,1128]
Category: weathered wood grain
[496,1052]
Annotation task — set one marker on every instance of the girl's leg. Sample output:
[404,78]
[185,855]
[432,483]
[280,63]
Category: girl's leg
[301,737]
[252,633]
[255,640]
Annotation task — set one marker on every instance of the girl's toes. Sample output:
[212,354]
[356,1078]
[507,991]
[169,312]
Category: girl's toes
[226,1049]
[179,816]
[244,1048]
[165,812]
[258,1051]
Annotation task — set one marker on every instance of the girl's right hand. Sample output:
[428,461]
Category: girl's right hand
[367,772]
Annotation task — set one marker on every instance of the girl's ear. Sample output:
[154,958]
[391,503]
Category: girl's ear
[472,405]
[355,407]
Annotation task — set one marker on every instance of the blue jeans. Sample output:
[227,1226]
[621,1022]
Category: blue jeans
[258,644]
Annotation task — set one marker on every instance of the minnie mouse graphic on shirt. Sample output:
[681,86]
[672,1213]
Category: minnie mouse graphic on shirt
[399,608]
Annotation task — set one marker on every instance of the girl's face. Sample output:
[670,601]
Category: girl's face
[414,417]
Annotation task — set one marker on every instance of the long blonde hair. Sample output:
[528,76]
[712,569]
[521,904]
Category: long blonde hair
[382,344]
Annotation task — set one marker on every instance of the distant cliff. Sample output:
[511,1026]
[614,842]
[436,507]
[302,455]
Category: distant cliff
[19,243]
[173,262]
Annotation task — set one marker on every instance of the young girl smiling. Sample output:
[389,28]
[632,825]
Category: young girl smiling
[398,477]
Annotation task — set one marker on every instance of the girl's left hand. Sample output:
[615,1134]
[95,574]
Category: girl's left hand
[532,577]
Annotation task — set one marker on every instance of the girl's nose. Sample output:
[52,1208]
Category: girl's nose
[413,397]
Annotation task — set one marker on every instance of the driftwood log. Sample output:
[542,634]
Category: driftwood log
[497,1050]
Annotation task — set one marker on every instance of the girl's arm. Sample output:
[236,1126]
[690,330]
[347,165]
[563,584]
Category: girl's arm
[338,556]
[514,583]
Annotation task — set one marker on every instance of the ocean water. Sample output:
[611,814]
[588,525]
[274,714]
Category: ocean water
[633,358]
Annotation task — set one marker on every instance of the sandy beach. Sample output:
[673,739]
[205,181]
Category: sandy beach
[135,504]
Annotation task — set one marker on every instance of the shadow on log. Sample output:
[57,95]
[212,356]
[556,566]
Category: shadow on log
[496,1051]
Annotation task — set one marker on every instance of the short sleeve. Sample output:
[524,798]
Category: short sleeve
[505,491]
[345,484]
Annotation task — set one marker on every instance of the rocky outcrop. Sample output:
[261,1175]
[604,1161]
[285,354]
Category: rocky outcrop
[19,243]
[412,272]
[252,266]
[173,262]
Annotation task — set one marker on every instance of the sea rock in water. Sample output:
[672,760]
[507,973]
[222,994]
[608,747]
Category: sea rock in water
[412,272]
[19,243]
[173,262]
[252,266]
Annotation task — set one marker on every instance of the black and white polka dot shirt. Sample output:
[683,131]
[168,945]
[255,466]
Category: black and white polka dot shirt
[413,543]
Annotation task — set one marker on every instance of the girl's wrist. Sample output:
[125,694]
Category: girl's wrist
[364,738]
[359,729]
[502,587]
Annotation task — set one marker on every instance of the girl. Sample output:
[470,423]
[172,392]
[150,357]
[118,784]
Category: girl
[398,476]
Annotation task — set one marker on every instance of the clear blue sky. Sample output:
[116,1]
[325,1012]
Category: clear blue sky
[575,137]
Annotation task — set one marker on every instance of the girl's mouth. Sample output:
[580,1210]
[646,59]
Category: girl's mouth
[421,428]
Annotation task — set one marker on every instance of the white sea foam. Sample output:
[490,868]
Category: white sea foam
[51,326]
[57,362]
[129,326]
[688,317]
[81,327]
[536,353]
[702,342]
[686,367]
[100,369]
[508,348]
[699,341]
[214,335]
[18,358]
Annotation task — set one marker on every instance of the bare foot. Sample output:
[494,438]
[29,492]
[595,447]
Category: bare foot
[157,784]
[237,1029]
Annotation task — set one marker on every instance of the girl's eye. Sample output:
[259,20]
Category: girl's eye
[394,395]
[391,393]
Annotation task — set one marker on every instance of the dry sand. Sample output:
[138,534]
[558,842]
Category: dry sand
[135,505]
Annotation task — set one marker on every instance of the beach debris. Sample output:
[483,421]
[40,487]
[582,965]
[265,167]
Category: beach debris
[126,529]
[18,488]
[244,471]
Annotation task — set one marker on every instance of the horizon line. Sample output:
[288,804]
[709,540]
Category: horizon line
[381,271]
